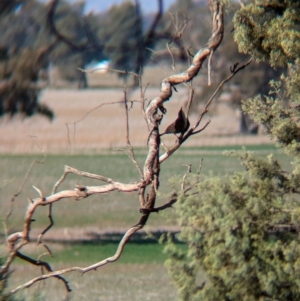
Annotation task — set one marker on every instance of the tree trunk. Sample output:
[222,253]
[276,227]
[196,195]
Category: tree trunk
[82,81]
[243,125]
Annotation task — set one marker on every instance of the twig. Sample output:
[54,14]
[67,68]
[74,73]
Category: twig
[44,265]
[142,95]
[9,213]
[86,114]
[172,56]
[51,223]
[160,208]
[209,68]
[190,100]
[200,166]
[169,82]
[189,170]
[94,267]
[130,151]
[202,129]
[234,70]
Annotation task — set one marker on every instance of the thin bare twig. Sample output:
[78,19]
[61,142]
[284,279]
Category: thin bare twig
[142,96]
[160,208]
[200,166]
[33,163]
[44,265]
[130,151]
[172,56]
[86,114]
[234,70]
[179,29]
[189,170]
[51,223]
[209,68]
[94,267]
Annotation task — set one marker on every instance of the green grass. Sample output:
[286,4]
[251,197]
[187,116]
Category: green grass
[138,274]
[120,282]
[89,253]
[140,263]
[111,210]
[133,253]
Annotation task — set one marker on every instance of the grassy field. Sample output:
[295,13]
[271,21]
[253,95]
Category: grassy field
[83,135]
[116,282]
[141,263]
[115,210]
[86,122]
[138,274]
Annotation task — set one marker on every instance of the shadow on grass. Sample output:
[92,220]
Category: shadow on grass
[115,237]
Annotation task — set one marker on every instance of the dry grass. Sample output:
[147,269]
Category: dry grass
[104,127]
[113,282]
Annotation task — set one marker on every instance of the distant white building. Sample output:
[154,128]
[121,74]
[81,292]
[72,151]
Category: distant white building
[99,67]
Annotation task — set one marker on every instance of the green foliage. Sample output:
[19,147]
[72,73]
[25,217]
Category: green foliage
[140,251]
[233,227]
[264,30]
[242,231]
[269,30]
[253,80]
[280,120]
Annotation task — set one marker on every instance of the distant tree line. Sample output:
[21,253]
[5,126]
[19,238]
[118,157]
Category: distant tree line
[37,35]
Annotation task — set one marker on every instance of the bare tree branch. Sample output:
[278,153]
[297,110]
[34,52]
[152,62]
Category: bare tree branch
[148,183]
[192,131]
[169,204]
[44,265]
[188,75]
[93,267]
[85,115]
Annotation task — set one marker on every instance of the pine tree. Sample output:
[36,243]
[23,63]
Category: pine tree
[242,230]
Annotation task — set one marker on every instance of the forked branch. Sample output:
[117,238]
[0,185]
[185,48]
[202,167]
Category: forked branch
[150,174]
[194,129]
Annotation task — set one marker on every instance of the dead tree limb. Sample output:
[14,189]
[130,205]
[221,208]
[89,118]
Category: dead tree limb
[193,130]
[153,117]
[149,181]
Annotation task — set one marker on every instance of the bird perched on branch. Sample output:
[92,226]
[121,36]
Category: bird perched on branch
[179,126]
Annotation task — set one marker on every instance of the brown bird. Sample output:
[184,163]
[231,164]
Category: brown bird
[180,125]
